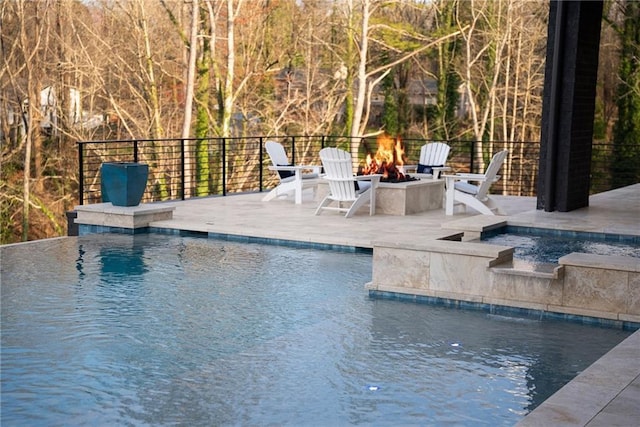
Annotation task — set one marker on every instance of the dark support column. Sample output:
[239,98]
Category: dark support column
[569,104]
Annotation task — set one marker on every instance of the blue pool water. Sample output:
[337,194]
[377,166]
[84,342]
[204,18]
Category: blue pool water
[547,246]
[157,330]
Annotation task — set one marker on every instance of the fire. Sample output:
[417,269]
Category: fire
[387,161]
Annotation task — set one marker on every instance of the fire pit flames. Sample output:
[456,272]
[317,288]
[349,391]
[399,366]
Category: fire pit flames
[387,161]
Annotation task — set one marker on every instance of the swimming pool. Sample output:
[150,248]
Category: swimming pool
[547,246]
[158,330]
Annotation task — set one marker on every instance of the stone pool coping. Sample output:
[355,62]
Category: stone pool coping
[605,394]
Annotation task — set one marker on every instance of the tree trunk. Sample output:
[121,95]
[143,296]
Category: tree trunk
[188,103]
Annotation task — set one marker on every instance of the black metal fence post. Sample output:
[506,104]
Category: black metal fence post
[471,156]
[224,166]
[81,176]
[182,169]
[293,150]
[261,157]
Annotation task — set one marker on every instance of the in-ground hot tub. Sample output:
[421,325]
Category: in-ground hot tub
[541,245]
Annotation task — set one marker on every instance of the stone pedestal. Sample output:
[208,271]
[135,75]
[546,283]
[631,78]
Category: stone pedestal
[107,216]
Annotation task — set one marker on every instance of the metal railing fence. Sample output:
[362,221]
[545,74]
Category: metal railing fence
[180,169]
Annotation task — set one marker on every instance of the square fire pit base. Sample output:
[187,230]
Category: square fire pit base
[411,197]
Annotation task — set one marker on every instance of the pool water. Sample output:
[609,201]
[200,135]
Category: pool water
[157,330]
[544,247]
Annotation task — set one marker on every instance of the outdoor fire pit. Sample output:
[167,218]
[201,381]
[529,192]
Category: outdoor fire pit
[409,197]
[386,161]
[399,193]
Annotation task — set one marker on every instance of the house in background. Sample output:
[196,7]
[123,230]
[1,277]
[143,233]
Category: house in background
[421,92]
[49,106]
[14,125]
[76,115]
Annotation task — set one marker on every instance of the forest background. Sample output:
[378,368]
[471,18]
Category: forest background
[81,70]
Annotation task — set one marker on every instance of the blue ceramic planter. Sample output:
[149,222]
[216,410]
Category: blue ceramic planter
[123,183]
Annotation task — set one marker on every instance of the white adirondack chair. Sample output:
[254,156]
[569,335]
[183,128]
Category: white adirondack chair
[343,190]
[433,160]
[292,178]
[459,190]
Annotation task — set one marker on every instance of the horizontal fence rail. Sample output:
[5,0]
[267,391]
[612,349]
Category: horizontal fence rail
[180,169]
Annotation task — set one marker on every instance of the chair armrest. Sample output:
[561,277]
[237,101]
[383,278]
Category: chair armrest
[324,178]
[374,178]
[441,168]
[282,168]
[469,177]
[437,171]
[466,177]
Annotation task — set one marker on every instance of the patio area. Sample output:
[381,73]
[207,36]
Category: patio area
[615,212]
[608,393]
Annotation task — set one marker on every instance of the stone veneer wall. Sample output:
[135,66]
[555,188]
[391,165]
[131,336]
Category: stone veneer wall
[606,285]
[585,285]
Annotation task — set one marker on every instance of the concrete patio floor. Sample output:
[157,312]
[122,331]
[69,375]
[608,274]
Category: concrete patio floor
[247,215]
[606,394]
[615,212]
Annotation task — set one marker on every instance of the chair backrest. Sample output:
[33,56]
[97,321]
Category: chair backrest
[434,154]
[278,157]
[276,152]
[338,173]
[492,170]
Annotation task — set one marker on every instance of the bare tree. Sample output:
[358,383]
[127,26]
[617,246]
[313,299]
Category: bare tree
[309,79]
[26,48]
[369,74]
[189,88]
[502,73]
